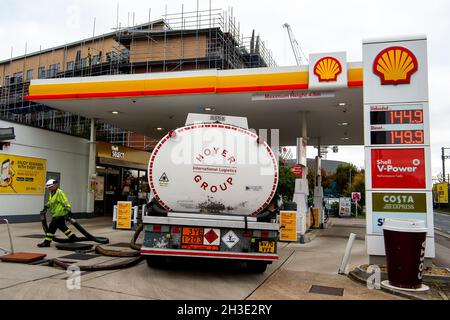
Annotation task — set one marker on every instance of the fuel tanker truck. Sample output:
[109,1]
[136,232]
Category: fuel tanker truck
[213,184]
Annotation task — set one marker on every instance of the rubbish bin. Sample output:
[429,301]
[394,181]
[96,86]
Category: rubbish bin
[404,242]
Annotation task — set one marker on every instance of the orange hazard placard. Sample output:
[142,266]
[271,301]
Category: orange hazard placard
[288,226]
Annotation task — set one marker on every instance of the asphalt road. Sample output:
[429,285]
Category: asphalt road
[442,239]
[442,222]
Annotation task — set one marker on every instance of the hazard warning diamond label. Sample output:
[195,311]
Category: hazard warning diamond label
[212,237]
[230,239]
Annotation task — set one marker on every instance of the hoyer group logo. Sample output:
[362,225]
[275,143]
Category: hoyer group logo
[398,169]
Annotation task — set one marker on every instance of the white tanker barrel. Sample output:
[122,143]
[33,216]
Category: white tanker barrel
[213,168]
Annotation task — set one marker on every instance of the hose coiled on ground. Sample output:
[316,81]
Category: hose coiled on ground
[136,256]
[121,254]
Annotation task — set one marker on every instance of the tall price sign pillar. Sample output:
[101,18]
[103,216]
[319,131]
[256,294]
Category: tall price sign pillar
[396,138]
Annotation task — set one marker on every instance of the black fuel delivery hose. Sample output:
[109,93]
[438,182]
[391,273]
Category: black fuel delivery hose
[136,257]
[120,265]
[133,244]
[122,254]
[88,236]
[116,253]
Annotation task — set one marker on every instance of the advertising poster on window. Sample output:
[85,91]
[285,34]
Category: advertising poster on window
[99,188]
[345,207]
[22,175]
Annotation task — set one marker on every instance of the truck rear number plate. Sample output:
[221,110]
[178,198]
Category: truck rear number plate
[192,236]
[267,246]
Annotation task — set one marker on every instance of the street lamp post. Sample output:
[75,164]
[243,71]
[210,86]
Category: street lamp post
[350,187]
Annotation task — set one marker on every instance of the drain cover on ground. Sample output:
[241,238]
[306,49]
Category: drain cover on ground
[327,290]
[80,256]
[120,245]
[23,257]
[33,236]
[73,246]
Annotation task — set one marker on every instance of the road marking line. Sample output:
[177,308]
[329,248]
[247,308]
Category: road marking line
[442,234]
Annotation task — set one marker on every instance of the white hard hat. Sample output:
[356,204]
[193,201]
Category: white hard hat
[50,183]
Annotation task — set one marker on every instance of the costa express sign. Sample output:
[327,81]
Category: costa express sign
[398,169]
[399,202]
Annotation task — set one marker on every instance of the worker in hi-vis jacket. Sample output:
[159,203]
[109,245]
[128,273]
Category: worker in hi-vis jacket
[59,207]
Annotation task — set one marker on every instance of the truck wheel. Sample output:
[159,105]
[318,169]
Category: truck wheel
[256,266]
[156,262]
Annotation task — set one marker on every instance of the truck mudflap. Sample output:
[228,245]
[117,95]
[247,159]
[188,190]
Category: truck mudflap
[208,254]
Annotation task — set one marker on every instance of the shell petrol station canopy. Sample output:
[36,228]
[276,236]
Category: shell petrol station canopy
[329,90]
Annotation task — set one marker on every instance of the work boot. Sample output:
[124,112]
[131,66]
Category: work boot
[73,238]
[44,244]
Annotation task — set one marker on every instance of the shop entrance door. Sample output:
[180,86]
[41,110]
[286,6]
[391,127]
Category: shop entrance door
[112,189]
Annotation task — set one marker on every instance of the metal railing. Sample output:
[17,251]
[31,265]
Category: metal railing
[10,238]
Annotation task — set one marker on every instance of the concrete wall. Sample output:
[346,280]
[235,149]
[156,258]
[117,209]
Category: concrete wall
[65,154]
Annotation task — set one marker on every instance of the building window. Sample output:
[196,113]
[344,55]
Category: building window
[83,63]
[18,77]
[125,53]
[95,60]
[54,69]
[70,65]
[6,80]
[29,74]
[42,74]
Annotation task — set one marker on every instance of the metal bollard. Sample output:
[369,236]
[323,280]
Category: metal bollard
[348,250]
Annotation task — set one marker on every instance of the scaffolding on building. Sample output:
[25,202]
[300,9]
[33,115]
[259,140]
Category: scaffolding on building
[194,40]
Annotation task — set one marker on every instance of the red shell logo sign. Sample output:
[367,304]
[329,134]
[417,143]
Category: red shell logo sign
[398,169]
[395,65]
[328,69]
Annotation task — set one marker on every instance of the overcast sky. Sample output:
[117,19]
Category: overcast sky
[319,26]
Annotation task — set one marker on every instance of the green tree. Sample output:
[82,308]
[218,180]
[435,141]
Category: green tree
[327,179]
[286,183]
[343,172]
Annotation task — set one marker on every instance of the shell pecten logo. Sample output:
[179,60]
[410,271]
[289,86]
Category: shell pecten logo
[328,69]
[395,65]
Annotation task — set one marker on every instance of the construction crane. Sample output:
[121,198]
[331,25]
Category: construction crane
[295,46]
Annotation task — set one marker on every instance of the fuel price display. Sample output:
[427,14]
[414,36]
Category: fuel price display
[396,117]
[398,137]
[397,125]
